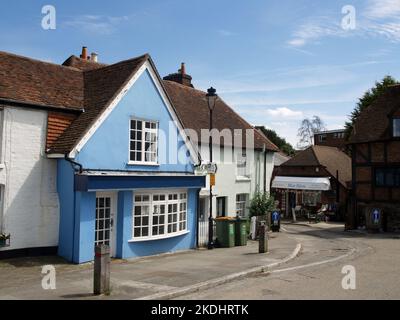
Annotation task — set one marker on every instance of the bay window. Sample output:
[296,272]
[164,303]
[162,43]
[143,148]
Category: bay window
[159,215]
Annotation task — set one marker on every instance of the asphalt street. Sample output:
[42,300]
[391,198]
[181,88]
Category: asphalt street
[317,272]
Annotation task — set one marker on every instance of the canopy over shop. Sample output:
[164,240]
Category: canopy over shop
[313,178]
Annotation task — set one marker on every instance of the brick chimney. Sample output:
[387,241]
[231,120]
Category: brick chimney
[84,55]
[180,77]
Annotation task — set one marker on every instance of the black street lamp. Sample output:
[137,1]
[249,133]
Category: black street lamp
[211,100]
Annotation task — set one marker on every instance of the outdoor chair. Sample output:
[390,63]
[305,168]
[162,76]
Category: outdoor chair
[315,216]
[298,210]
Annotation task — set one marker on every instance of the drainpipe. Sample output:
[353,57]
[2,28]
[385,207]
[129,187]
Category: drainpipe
[199,159]
[74,165]
[337,187]
[197,218]
[265,167]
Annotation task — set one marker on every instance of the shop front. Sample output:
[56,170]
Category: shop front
[303,195]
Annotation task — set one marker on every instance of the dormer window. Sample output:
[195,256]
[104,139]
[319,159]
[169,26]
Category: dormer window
[396,127]
[143,142]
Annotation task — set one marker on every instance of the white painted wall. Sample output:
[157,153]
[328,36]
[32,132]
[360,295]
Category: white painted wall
[228,184]
[30,207]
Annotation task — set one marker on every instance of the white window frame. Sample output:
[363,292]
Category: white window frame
[181,213]
[242,165]
[143,141]
[241,204]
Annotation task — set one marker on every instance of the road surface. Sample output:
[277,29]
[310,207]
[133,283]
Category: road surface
[317,272]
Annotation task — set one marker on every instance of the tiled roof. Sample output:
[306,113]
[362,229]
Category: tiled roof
[333,159]
[304,158]
[80,86]
[86,88]
[191,107]
[373,123]
[102,85]
[84,65]
[40,83]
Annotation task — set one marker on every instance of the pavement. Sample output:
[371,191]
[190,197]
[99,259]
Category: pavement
[158,277]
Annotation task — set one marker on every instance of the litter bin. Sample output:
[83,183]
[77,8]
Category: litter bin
[241,231]
[275,221]
[225,232]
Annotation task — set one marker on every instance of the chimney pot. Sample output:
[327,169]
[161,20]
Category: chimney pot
[84,54]
[94,57]
[183,69]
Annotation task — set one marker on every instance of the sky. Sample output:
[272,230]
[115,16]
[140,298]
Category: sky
[274,62]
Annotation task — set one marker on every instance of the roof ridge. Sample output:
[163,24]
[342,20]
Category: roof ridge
[321,146]
[314,148]
[38,61]
[104,66]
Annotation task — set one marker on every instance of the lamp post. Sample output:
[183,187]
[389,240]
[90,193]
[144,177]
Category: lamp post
[211,100]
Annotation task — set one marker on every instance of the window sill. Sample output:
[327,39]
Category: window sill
[2,166]
[243,178]
[150,164]
[167,236]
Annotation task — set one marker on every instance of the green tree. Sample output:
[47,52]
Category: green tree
[280,142]
[366,100]
[261,204]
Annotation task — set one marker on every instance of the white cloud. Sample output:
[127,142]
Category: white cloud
[379,18]
[284,112]
[97,24]
[390,30]
[378,9]
[297,42]
[226,33]
[316,28]
[277,114]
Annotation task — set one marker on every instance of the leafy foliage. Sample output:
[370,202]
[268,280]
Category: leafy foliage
[366,100]
[261,204]
[4,236]
[280,142]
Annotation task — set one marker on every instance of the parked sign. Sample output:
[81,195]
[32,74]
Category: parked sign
[275,217]
[376,216]
[207,168]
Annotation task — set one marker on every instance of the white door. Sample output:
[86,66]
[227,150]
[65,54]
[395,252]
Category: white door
[106,218]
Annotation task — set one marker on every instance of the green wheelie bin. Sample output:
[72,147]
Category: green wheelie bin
[240,231]
[225,232]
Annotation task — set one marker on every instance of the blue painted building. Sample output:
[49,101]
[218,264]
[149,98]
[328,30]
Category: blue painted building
[125,168]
